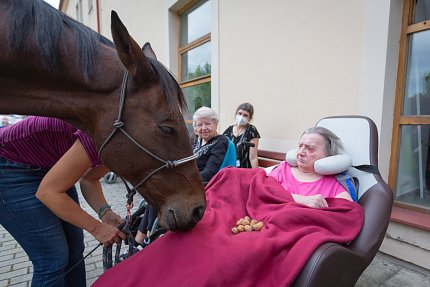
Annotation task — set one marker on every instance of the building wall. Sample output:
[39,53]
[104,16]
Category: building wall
[294,69]
[89,15]
[144,21]
[296,62]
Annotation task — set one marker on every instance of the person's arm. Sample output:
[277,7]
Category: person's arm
[253,153]
[318,201]
[315,201]
[91,189]
[215,159]
[344,195]
[52,192]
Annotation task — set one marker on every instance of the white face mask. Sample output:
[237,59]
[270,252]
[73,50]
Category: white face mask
[241,120]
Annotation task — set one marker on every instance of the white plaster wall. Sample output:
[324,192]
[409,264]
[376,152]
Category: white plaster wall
[89,15]
[144,20]
[295,61]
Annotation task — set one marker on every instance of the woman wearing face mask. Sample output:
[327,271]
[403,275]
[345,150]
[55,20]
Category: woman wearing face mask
[245,136]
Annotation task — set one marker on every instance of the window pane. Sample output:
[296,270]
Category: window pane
[196,96]
[196,62]
[422,11]
[413,175]
[417,92]
[196,22]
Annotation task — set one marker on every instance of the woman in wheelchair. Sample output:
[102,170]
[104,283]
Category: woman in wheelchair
[298,176]
[298,245]
[209,146]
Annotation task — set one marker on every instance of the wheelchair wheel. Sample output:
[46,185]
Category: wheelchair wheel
[110,177]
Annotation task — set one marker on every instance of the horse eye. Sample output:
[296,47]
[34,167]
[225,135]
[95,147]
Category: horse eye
[167,130]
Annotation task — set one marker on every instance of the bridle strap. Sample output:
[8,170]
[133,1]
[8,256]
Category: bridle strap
[118,126]
[118,122]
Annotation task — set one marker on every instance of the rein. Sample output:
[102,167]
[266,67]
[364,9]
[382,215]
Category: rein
[118,126]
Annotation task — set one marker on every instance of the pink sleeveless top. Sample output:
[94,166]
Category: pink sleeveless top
[327,185]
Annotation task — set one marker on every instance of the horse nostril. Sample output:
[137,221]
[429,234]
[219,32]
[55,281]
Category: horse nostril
[197,213]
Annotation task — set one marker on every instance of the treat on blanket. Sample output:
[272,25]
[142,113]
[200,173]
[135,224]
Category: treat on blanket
[247,224]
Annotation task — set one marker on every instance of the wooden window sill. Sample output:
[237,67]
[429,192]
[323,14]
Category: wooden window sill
[411,218]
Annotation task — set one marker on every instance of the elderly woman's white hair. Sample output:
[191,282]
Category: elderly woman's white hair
[205,112]
[333,144]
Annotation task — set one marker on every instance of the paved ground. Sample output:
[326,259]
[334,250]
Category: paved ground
[16,270]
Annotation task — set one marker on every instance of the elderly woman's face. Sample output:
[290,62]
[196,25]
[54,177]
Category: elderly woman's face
[205,128]
[311,149]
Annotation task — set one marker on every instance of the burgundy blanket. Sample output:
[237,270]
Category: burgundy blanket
[210,255]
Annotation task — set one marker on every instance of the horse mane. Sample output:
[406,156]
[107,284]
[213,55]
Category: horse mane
[36,22]
[175,96]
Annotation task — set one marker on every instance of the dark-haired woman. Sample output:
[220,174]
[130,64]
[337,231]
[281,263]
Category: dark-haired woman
[245,137]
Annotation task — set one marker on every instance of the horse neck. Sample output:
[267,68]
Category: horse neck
[29,89]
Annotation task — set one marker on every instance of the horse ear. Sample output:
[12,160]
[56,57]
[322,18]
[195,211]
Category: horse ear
[129,52]
[147,50]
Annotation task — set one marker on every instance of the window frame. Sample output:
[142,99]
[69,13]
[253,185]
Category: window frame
[194,44]
[408,29]
[182,50]
[188,47]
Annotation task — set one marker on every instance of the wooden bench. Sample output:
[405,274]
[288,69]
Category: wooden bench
[268,158]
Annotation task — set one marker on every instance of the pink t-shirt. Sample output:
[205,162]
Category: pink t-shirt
[327,185]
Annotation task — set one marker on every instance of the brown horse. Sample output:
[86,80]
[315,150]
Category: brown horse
[51,65]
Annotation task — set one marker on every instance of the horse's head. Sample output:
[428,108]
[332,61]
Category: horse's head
[152,134]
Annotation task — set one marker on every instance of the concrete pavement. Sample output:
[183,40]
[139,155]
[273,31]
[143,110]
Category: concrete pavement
[16,270]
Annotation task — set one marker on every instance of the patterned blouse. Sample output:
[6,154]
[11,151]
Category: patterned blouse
[242,150]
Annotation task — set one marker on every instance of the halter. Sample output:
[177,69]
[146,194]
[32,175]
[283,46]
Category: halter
[124,227]
[118,126]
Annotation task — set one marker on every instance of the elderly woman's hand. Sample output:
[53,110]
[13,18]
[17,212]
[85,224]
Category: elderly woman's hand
[315,201]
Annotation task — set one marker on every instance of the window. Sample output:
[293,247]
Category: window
[195,56]
[410,160]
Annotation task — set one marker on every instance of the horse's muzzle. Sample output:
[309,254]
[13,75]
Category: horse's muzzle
[175,221]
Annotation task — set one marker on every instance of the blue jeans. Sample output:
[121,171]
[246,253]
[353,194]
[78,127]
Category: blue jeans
[52,245]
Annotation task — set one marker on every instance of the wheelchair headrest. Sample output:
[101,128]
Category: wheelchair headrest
[359,136]
[326,166]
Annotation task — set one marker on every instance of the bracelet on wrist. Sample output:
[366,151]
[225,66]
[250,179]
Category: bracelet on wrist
[103,209]
[104,213]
